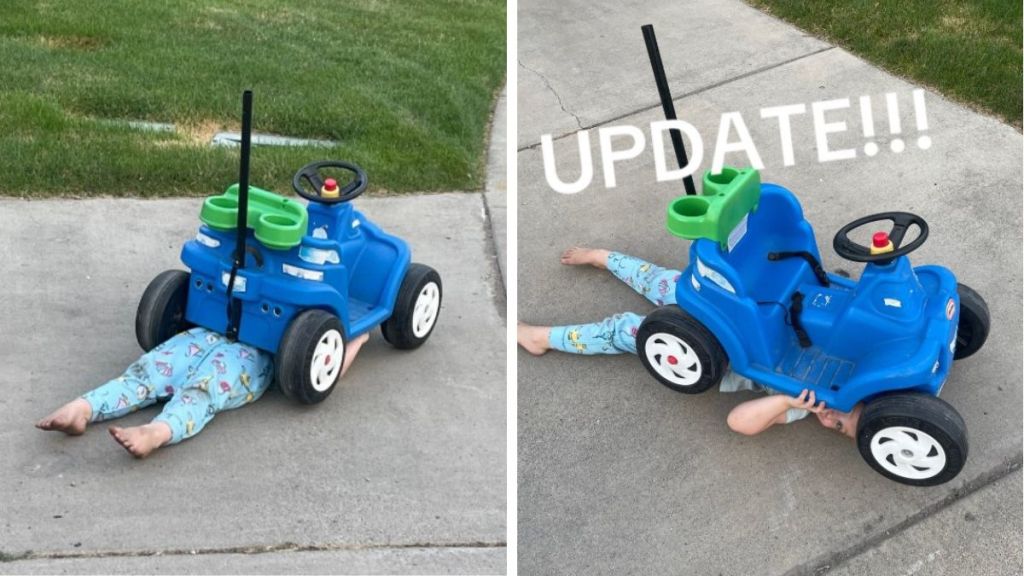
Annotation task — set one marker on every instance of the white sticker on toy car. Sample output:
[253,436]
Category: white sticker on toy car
[737,233]
[821,300]
[950,309]
[239,281]
[714,276]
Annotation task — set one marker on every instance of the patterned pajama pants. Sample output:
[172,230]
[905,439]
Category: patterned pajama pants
[617,334]
[198,373]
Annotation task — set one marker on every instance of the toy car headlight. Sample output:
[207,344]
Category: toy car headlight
[206,240]
[302,273]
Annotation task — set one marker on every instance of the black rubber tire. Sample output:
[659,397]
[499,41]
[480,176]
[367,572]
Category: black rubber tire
[676,322]
[161,312]
[923,412]
[972,329]
[398,329]
[295,355]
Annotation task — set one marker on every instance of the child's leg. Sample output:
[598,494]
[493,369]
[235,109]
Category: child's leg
[653,282]
[186,413]
[235,375]
[122,395]
[152,377]
[148,379]
[613,335]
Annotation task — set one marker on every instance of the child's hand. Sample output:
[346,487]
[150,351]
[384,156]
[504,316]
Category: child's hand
[806,402]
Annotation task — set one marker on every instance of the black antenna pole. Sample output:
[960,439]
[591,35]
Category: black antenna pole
[666,102]
[234,304]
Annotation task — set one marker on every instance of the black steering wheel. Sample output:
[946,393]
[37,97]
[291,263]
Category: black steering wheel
[901,221]
[311,174]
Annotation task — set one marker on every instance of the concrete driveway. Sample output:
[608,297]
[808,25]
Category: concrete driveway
[402,469]
[617,474]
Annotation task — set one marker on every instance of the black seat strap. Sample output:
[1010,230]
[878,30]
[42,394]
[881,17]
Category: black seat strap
[816,267]
[794,318]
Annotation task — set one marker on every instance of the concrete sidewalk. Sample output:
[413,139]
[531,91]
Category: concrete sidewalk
[402,469]
[619,474]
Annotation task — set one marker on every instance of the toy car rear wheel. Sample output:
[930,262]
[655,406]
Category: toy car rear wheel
[972,329]
[416,308]
[914,439]
[680,352]
[161,312]
[311,356]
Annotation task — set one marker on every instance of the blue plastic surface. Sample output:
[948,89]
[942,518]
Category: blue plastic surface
[361,268]
[888,331]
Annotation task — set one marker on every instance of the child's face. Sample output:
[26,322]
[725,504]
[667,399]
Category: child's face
[843,422]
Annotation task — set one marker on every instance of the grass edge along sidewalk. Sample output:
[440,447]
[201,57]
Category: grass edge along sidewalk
[969,51]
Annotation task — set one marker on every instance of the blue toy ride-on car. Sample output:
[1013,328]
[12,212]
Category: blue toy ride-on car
[293,280]
[755,297]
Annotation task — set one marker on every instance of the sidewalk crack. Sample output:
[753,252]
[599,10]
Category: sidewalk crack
[547,84]
[251,549]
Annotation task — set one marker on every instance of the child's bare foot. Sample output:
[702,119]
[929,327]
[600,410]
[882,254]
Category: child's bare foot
[577,255]
[71,418]
[533,339]
[140,441]
[351,349]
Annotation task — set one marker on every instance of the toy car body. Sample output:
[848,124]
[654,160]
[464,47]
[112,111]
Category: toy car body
[294,281]
[755,297]
[343,264]
[895,329]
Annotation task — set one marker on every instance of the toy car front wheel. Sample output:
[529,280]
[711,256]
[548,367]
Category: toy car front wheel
[914,439]
[161,312]
[679,351]
[972,329]
[416,308]
[311,356]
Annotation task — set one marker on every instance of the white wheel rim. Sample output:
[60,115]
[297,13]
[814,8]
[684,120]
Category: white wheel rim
[327,357]
[908,452]
[673,359]
[424,312]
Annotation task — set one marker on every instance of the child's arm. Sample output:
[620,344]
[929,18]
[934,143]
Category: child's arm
[755,416]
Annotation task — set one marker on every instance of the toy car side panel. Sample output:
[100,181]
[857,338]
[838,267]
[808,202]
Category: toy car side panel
[381,268]
[705,301]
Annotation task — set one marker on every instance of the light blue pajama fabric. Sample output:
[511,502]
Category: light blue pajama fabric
[617,334]
[198,373]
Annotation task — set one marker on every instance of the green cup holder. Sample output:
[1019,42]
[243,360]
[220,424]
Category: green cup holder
[720,181]
[224,202]
[727,198]
[278,230]
[689,207]
[277,222]
[221,212]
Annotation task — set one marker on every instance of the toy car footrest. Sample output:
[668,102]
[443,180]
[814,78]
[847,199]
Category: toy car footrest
[278,222]
[727,198]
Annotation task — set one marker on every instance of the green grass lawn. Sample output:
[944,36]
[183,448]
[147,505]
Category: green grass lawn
[405,87]
[968,50]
